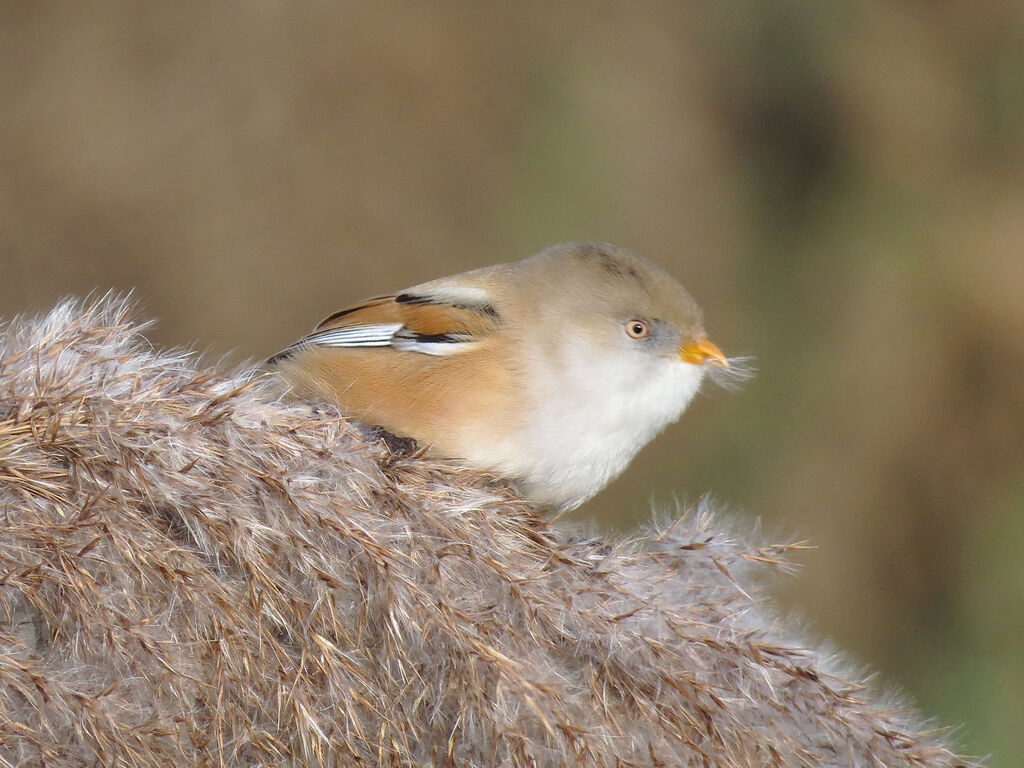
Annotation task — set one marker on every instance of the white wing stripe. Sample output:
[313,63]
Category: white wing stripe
[453,343]
[389,334]
[438,349]
[355,336]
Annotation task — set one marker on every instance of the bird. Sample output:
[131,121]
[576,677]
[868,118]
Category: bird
[551,372]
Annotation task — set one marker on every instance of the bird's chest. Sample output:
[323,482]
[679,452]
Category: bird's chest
[587,425]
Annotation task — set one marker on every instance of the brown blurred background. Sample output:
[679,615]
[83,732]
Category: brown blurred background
[841,185]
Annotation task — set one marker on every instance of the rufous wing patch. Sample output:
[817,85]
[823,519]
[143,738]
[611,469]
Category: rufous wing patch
[420,315]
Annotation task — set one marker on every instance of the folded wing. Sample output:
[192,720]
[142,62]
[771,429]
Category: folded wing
[436,322]
[426,363]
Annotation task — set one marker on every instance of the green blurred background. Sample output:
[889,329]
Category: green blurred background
[841,185]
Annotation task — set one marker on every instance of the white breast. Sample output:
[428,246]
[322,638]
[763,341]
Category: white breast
[589,423]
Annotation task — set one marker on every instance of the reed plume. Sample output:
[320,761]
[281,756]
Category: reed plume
[195,571]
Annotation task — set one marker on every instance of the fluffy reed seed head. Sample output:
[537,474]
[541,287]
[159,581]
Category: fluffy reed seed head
[193,572]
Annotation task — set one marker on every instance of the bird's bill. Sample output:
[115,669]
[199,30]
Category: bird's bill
[702,351]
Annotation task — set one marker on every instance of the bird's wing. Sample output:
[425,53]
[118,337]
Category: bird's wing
[437,318]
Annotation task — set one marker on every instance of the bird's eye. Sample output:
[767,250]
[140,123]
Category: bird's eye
[636,329]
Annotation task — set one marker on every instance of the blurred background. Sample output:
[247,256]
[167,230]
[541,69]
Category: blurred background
[841,186]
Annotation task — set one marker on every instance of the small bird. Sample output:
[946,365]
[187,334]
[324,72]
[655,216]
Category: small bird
[552,371]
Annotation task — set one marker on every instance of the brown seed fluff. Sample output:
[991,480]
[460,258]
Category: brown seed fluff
[194,572]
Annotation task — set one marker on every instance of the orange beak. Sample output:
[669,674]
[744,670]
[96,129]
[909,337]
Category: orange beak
[702,351]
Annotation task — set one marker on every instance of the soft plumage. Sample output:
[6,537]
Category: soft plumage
[553,371]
